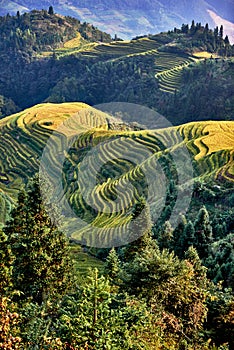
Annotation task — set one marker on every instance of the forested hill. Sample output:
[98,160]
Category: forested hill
[185,74]
[129,18]
[43,30]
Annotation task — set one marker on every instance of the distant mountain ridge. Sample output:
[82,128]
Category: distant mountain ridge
[131,18]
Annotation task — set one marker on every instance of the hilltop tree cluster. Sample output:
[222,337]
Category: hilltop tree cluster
[153,293]
[205,38]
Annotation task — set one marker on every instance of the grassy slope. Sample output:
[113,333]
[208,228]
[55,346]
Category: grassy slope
[24,136]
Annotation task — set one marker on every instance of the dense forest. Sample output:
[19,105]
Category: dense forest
[166,290]
[38,70]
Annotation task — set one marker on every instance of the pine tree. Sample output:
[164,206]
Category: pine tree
[188,236]
[203,233]
[192,28]
[178,236]
[42,267]
[112,265]
[191,255]
[221,32]
[140,235]
[6,261]
[226,41]
[51,10]
[166,236]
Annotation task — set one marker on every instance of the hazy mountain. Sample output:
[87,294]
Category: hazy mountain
[131,18]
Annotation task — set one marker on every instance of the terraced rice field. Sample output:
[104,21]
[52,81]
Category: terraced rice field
[167,66]
[134,163]
[119,49]
[205,54]
[169,69]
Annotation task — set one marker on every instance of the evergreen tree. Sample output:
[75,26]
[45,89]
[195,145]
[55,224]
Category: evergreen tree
[200,271]
[51,10]
[192,28]
[178,236]
[42,267]
[221,32]
[140,235]
[203,233]
[6,260]
[226,41]
[112,265]
[166,236]
[188,236]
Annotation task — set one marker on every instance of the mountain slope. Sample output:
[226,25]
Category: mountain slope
[24,137]
[130,18]
[58,59]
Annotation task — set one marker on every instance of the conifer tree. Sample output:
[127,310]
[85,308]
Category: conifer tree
[221,32]
[6,261]
[112,265]
[140,230]
[166,236]
[51,10]
[226,41]
[192,28]
[178,236]
[203,233]
[42,267]
[188,236]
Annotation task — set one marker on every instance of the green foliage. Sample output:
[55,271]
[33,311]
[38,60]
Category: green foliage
[42,267]
[6,259]
[163,61]
[204,92]
[112,265]
[188,238]
[166,236]
[221,261]
[7,107]
[36,326]
[38,30]
[179,236]
[140,235]
[99,318]
[170,284]
[220,318]
[203,233]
